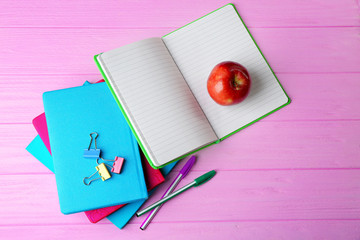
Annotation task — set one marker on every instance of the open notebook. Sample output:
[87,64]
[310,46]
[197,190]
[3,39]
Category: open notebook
[160,85]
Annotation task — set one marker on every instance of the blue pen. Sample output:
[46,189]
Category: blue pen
[183,172]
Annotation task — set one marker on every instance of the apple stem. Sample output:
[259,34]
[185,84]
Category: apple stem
[236,83]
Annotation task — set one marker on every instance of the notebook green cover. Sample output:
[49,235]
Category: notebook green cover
[188,37]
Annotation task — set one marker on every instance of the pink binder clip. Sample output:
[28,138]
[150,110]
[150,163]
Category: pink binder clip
[119,161]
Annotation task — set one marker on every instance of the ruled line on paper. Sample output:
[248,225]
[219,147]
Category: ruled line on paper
[159,100]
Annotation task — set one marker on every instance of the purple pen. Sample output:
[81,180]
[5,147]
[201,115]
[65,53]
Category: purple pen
[183,172]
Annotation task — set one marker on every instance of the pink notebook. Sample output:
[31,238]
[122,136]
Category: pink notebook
[153,177]
[41,127]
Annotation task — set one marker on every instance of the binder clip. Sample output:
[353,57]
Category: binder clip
[117,164]
[103,172]
[92,153]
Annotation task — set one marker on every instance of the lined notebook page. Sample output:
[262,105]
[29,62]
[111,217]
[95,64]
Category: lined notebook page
[157,100]
[221,36]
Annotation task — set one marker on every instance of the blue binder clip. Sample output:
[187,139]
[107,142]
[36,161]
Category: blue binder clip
[92,153]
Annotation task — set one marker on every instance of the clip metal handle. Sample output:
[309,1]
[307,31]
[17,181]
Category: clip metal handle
[117,164]
[97,161]
[92,139]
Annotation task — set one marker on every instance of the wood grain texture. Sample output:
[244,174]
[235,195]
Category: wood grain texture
[257,195]
[293,175]
[259,230]
[71,51]
[162,13]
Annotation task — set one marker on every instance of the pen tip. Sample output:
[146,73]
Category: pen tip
[188,165]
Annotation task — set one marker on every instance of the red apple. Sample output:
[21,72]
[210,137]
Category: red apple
[229,83]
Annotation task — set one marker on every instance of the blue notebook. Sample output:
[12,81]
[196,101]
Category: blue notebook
[72,114]
[38,149]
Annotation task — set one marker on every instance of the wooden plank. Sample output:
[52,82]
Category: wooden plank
[71,51]
[286,145]
[145,14]
[22,100]
[265,145]
[318,50]
[320,97]
[236,196]
[295,230]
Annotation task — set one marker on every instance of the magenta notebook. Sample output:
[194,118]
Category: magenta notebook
[41,127]
[153,177]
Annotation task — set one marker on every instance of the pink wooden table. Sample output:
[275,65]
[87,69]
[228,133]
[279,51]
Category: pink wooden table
[293,175]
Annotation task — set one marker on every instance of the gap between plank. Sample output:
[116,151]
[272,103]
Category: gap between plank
[175,27]
[221,170]
[164,222]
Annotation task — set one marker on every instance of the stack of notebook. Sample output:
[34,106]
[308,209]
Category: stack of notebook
[163,106]
[70,115]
